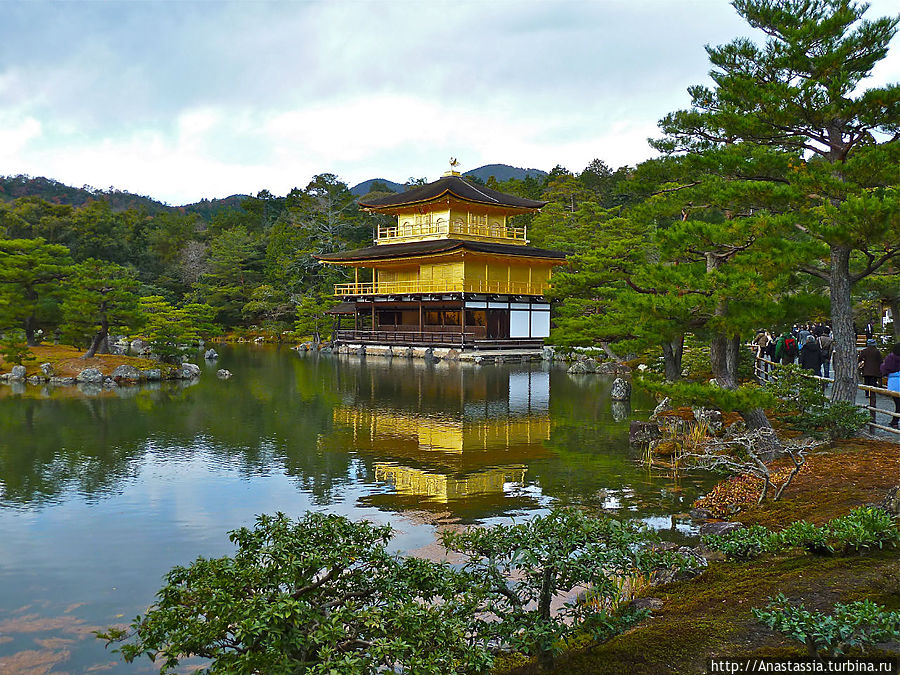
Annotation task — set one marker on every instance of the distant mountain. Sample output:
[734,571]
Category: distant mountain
[365,187]
[207,209]
[502,172]
[13,187]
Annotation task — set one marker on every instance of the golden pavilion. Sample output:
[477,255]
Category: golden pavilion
[452,272]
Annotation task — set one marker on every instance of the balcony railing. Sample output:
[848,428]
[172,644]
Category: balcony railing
[398,233]
[407,287]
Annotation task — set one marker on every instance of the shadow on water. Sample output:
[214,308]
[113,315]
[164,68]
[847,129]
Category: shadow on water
[101,493]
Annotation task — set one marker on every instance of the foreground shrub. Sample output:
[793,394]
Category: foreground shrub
[523,567]
[319,595]
[857,624]
[323,595]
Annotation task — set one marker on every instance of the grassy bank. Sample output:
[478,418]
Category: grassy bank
[68,362]
[711,615]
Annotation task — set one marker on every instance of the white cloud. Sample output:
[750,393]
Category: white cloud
[188,100]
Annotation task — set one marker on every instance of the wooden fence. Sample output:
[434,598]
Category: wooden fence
[763,370]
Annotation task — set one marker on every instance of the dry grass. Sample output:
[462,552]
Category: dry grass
[68,361]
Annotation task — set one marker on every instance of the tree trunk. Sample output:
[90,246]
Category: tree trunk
[100,343]
[723,356]
[845,369]
[672,353]
[724,353]
[30,331]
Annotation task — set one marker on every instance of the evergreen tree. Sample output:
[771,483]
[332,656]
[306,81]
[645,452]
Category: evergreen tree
[30,274]
[99,296]
[799,92]
[233,271]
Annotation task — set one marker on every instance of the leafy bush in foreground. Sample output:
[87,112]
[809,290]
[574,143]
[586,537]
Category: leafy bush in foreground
[323,595]
[856,624]
[320,595]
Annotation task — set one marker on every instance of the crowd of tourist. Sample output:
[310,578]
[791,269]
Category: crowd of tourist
[812,347]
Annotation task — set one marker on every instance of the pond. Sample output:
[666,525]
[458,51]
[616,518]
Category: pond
[101,495]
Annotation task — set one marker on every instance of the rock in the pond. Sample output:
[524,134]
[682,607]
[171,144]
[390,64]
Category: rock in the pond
[223,374]
[583,367]
[62,380]
[709,416]
[548,354]
[47,369]
[109,383]
[478,360]
[664,406]
[189,371]
[152,375]
[90,376]
[17,374]
[452,355]
[37,379]
[621,390]
[211,355]
[126,372]
[719,527]
[643,432]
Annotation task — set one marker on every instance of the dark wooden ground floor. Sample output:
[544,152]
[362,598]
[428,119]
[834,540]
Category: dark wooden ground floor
[497,322]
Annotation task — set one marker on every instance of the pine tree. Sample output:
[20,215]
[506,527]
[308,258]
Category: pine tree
[30,274]
[799,93]
[99,296]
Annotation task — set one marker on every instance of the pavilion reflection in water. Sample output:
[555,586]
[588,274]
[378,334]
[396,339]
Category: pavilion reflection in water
[463,445]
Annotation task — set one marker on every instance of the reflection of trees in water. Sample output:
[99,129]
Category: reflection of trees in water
[269,416]
[592,462]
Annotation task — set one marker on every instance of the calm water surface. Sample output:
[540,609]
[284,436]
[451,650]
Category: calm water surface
[100,495]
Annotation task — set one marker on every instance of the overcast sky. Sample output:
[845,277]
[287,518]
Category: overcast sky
[184,100]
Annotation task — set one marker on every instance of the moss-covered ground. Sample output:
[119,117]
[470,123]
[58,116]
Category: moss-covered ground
[710,615]
[68,362]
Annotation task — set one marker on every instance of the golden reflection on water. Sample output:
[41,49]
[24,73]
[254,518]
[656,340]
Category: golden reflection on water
[461,452]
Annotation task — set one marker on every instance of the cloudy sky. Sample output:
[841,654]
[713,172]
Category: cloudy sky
[184,100]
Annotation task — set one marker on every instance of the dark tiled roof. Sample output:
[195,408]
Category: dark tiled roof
[438,246]
[457,186]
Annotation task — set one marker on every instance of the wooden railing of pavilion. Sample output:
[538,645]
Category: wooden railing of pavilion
[415,231]
[448,286]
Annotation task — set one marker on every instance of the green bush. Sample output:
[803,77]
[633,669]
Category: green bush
[856,624]
[746,543]
[13,348]
[797,392]
[836,420]
[864,528]
[795,389]
[802,534]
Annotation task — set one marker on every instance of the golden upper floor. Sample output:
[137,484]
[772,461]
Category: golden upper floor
[452,208]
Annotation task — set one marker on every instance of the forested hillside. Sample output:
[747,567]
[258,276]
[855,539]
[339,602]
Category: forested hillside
[249,259]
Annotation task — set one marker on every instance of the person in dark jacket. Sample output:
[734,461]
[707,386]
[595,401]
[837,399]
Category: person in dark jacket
[811,356]
[826,344]
[870,364]
[889,367]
